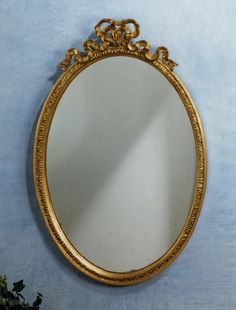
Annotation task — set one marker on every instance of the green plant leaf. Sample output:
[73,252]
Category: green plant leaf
[37,301]
[18,286]
[14,300]
[3,285]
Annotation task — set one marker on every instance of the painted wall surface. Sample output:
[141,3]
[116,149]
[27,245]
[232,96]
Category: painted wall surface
[200,35]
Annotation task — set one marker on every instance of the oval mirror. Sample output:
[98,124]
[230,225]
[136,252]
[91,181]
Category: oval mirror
[119,158]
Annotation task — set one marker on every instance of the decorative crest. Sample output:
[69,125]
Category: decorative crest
[116,34]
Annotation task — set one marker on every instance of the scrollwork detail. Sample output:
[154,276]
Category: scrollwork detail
[116,34]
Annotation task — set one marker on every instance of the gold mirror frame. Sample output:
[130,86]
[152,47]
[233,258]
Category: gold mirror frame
[115,38]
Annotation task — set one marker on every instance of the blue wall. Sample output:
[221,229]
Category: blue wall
[201,37]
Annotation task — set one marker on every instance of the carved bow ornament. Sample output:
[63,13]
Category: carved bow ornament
[112,34]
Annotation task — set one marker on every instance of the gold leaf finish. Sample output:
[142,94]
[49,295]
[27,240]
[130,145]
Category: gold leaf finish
[115,41]
[117,34]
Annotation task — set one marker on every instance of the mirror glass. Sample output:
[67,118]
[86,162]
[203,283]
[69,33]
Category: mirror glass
[121,163]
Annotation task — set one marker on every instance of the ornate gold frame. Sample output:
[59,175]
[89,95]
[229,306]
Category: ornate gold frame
[114,39]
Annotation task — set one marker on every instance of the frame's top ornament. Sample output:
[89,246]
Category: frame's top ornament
[117,34]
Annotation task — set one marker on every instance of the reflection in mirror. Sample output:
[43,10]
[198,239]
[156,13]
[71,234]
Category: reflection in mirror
[121,163]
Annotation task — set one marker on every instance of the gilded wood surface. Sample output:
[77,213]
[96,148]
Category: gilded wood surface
[115,39]
[116,34]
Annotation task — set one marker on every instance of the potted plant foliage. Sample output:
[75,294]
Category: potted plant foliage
[13,299]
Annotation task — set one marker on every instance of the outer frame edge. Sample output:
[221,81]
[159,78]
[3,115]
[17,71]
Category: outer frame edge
[43,195]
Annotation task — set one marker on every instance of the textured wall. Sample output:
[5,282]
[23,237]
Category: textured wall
[201,37]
